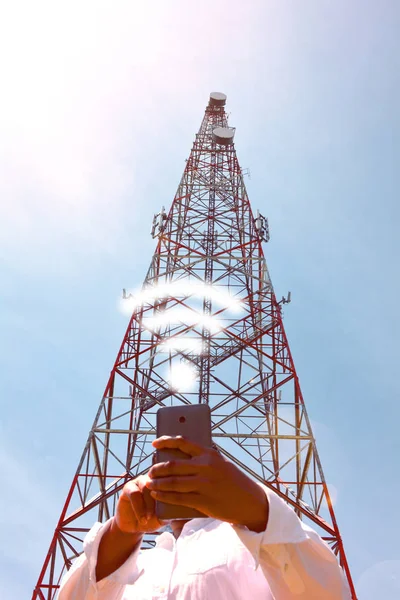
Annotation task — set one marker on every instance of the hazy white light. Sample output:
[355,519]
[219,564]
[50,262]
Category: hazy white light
[182,377]
[178,289]
[210,322]
[185,316]
[182,343]
[127,306]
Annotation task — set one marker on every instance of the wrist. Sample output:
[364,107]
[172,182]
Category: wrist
[114,549]
[257,520]
[126,536]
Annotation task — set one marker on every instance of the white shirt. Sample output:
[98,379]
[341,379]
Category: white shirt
[214,560]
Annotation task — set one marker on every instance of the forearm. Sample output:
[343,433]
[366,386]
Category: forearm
[294,559]
[114,549]
[255,514]
[303,571]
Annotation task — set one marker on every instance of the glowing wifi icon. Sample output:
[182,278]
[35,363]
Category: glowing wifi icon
[182,375]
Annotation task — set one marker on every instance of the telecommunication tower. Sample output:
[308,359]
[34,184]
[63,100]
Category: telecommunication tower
[205,327]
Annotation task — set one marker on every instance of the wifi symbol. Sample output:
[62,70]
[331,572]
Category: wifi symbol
[187,314]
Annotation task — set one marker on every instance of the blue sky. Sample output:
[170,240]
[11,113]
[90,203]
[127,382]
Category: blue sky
[98,110]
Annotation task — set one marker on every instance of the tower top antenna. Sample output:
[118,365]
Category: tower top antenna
[217,99]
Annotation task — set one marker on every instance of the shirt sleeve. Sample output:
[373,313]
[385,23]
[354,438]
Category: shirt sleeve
[79,583]
[296,562]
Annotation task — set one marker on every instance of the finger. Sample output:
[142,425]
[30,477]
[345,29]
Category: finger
[175,484]
[189,499]
[138,506]
[174,467]
[149,503]
[188,447]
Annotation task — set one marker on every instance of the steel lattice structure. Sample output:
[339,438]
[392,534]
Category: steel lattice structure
[207,309]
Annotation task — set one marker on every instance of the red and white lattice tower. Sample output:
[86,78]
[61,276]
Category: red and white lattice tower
[206,327]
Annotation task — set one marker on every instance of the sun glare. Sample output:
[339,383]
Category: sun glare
[182,377]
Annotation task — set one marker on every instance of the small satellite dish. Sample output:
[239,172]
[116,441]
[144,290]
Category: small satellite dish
[223,135]
[217,99]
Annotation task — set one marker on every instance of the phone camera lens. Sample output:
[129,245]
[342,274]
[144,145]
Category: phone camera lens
[182,419]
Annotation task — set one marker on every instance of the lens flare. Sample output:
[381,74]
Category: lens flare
[127,306]
[185,316]
[183,344]
[178,289]
[182,377]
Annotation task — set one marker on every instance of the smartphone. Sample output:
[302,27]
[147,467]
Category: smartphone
[193,421]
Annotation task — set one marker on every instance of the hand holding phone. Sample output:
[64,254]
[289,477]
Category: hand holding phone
[193,422]
[208,483]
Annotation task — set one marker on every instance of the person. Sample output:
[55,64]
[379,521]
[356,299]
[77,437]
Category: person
[251,544]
